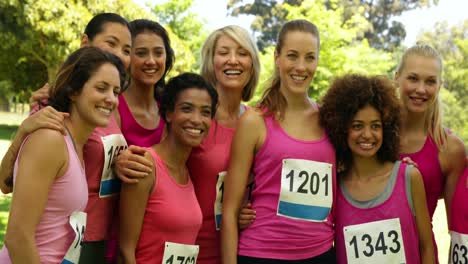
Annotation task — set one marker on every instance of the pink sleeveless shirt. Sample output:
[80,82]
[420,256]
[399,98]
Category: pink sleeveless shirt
[134,133]
[402,240]
[205,164]
[286,229]
[428,164]
[103,145]
[67,194]
[172,215]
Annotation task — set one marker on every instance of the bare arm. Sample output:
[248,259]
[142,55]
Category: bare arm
[452,162]
[45,118]
[246,140]
[423,222]
[133,200]
[31,192]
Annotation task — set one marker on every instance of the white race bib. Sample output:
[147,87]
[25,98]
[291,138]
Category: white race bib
[78,223]
[175,253]
[375,242]
[113,145]
[218,205]
[306,190]
[458,248]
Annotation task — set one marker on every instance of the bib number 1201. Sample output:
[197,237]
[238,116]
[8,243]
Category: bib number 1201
[311,183]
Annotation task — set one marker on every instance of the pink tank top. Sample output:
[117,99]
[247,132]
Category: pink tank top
[459,208]
[205,164]
[399,239]
[134,133]
[286,168]
[428,164]
[103,145]
[172,215]
[67,194]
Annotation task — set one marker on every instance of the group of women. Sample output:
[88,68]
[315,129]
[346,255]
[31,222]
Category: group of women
[184,172]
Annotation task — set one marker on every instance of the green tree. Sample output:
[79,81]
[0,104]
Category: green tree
[38,35]
[341,51]
[382,32]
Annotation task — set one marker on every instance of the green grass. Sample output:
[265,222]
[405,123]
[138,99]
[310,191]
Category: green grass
[6,131]
[4,209]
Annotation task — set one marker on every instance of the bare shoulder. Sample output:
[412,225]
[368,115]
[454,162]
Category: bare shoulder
[50,139]
[252,117]
[455,146]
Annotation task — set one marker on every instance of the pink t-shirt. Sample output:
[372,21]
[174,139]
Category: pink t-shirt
[103,145]
[205,164]
[397,230]
[67,194]
[172,214]
[293,193]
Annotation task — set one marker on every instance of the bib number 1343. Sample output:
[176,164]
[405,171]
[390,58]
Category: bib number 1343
[306,190]
[375,242]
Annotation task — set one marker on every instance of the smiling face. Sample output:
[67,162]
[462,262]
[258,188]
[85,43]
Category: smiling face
[419,82]
[365,133]
[191,118]
[114,38]
[98,97]
[297,61]
[148,58]
[232,64]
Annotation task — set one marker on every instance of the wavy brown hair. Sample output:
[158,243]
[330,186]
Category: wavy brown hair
[349,94]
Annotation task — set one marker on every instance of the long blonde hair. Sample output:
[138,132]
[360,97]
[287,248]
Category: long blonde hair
[433,119]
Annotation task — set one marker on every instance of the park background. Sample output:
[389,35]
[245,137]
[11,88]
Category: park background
[363,36]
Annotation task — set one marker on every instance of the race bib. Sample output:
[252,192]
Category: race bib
[218,205]
[78,223]
[306,190]
[375,242]
[458,248]
[175,253]
[113,145]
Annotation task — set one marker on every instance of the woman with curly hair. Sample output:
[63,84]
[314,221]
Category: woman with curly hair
[381,213]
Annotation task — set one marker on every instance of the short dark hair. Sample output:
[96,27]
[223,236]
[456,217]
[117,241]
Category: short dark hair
[96,24]
[77,69]
[180,83]
[139,26]
[345,97]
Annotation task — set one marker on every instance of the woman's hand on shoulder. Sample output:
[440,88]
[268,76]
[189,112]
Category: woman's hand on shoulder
[133,164]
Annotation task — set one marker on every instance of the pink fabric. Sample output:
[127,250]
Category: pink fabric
[134,133]
[204,164]
[396,206]
[67,194]
[428,164]
[277,237]
[172,215]
[100,210]
[459,208]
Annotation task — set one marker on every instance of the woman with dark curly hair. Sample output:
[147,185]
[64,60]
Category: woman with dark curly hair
[381,213]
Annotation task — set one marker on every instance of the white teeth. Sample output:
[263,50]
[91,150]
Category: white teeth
[104,110]
[194,131]
[298,78]
[232,72]
[366,145]
[149,71]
